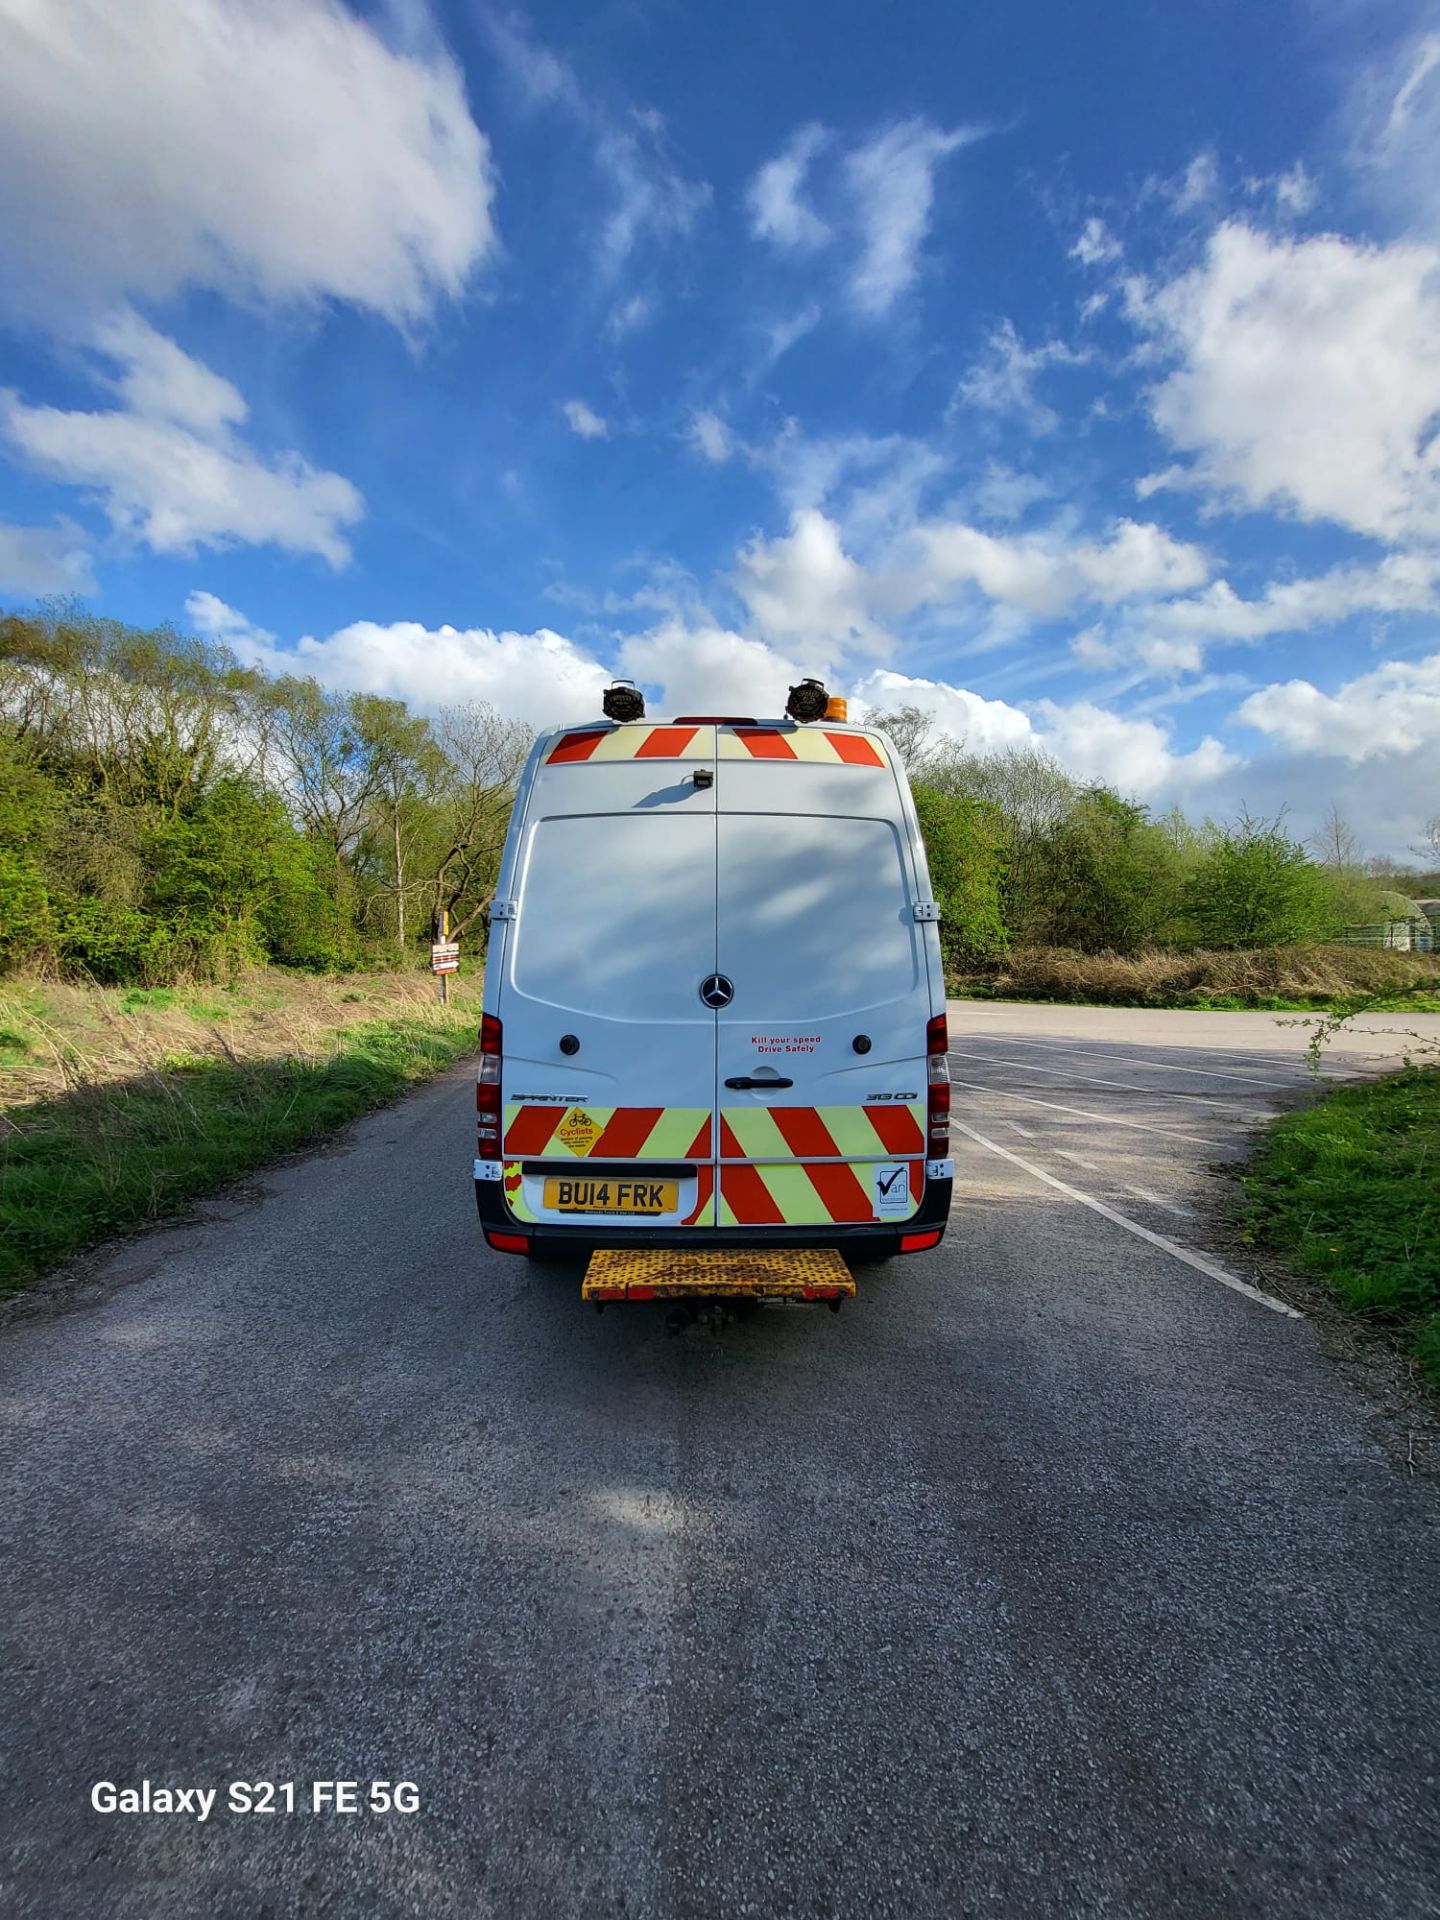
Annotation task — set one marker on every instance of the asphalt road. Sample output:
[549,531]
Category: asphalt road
[1055,1576]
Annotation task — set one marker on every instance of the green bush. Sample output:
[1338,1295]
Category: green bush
[1348,1190]
[28,803]
[114,945]
[1258,888]
[964,844]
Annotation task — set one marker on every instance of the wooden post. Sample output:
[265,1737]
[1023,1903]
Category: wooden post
[444,978]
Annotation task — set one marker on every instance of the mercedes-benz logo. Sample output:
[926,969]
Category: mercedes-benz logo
[716,990]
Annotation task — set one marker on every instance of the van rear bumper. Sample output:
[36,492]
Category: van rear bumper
[860,1242]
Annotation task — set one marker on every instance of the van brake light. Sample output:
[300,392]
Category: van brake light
[487,1087]
[937,1105]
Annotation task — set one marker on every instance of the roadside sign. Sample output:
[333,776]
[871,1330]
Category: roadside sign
[445,956]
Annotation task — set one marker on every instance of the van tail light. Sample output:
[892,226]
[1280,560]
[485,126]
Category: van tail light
[487,1089]
[508,1242]
[937,1105]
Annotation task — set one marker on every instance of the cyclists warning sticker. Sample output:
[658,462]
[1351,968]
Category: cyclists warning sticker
[578,1131]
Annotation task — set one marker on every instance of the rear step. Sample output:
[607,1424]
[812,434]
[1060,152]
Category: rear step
[749,1273]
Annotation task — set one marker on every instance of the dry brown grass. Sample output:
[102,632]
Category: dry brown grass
[1272,977]
[55,1038]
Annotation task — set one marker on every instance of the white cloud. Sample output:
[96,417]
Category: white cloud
[168,466]
[160,379]
[891,179]
[1045,574]
[540,677]
[981,726]
[710,437]
[1308,378]
[1134,755]
[1003,379]
[267,147]
[1295,191]
[38,561]
[1394,114]
[803,587]
[1400,583]
[777,212]
[629,316]
[1409,99]
[885,195]
[781,335]
[1393,710]
[584,420]
[1171,636]
[1096,246]
[1197,186]
[212,618]
[700,667]
[649,198]
[1005,494]
[808,471]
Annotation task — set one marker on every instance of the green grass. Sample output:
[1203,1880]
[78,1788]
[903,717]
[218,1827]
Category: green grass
[119,1154]
[1206,1002]
[1349,1191]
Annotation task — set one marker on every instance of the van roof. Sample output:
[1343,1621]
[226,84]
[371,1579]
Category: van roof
[780,724]
[602,742]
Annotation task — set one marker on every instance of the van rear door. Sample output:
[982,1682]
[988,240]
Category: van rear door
[614,932]
[821,1051]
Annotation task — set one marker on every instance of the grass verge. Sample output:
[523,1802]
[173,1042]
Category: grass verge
[1279,979]
[1348,1190]
[111,1153]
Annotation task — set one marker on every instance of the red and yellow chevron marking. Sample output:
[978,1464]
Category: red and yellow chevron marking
[607,1133]
[704,1211]
[629,743]
[638,742]
[800,743]
[823,1133]
[804,1193]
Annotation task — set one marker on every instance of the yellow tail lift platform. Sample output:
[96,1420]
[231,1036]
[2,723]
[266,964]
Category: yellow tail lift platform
[752,1273]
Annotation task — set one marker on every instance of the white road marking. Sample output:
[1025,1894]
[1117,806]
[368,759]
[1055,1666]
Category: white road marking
[1094,1080]
[1083,1113]
[1154,1200]
[1015,1127]
[1156,1066]
[1195,1260]
[1135,1193]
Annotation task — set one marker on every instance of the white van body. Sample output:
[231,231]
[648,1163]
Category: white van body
[714,999]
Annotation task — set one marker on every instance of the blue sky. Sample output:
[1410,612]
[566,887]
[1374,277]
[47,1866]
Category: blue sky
[1070,370]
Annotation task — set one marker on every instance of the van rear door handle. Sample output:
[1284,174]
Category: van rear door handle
[743,1082]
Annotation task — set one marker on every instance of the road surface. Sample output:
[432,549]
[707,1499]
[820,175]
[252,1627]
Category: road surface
[1057,1576]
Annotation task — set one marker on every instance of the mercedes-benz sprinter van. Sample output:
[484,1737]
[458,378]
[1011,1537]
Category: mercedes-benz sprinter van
[714,1010]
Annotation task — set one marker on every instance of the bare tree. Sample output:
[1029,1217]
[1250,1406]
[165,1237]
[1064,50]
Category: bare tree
[1334,844]
[484,755]
[910,729]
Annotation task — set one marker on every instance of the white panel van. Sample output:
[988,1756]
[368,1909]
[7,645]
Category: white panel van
[714,1010]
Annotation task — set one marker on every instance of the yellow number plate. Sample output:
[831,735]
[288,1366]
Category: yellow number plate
[598,1193]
